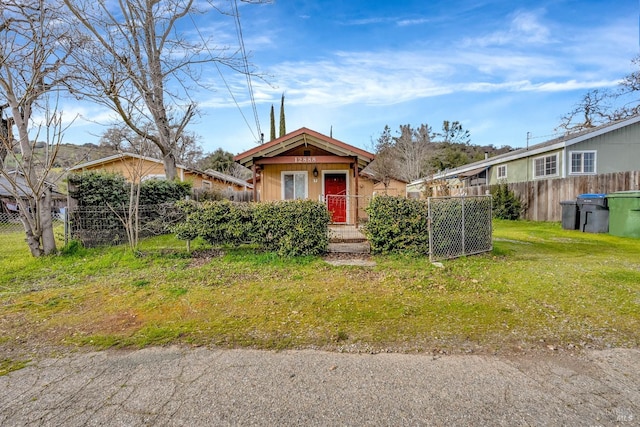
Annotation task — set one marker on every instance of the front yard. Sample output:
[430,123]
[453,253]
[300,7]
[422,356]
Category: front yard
[542,288]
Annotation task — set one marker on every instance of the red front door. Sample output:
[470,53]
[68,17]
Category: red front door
[335,190]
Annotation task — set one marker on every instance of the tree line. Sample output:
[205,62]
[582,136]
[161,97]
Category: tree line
[415,152]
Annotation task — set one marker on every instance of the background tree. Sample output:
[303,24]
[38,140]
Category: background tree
[283,126]
[413,148]
[593,110]
[220,160]
[122,139]
[418,152]
[273,124]
[385,166]
[139,63]
[599,106]
[453,133]
[34,55]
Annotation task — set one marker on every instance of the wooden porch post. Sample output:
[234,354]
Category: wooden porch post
[255,186]
[355,168]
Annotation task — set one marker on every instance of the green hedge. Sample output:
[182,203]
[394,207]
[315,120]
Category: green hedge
[104,188]
[290,228]
[397,224]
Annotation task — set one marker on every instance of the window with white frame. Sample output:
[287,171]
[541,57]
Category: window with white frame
[206,185]
[502,172]
[583,162]
[545,166]
[294,185]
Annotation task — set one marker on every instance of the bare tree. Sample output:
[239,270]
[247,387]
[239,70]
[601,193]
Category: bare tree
[593,110]
[413,148]
[33,60]
[140,65]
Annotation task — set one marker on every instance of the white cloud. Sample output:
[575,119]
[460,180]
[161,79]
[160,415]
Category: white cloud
[525,28]
[408,22]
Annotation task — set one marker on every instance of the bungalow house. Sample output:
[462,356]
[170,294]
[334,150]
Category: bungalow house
[609,148]
[137,168]
[305,164]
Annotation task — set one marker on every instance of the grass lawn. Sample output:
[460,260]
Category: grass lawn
[542,287]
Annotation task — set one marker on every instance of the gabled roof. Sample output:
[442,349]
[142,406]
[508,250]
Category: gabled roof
[116,157]
[209,173]
[300,137]
[563,141]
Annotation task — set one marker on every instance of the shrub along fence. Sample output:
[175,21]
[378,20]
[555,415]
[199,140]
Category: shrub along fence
[105,209]
[443,227]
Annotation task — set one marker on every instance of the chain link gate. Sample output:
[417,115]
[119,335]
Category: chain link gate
[459,226]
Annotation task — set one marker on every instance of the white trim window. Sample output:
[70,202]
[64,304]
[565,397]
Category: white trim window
[206,185]
[501,172]
[583,162]
[294,185]
[545,166]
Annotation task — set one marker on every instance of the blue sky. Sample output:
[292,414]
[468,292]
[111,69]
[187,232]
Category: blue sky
[501,68]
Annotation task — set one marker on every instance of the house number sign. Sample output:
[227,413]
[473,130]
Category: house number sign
[305,160]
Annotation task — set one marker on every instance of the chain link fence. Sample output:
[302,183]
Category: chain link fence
[101,226]
[459,226]
[11,223]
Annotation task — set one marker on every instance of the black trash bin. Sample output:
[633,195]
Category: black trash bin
[594,213]
[570,216]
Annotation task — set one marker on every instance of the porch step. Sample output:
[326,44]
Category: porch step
[350,248]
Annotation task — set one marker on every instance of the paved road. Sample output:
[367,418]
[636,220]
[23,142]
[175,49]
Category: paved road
[187,387]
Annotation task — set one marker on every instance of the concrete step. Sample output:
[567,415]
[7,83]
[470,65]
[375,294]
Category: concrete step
[350,248]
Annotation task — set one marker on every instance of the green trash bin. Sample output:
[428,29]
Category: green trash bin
[624,213]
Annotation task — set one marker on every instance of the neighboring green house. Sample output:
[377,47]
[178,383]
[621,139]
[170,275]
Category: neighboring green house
[613,147]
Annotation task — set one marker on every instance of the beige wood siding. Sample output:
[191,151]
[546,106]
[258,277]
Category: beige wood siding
[271,179]
[395,188]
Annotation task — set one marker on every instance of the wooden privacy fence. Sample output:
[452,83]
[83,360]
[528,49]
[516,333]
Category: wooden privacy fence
[541,198]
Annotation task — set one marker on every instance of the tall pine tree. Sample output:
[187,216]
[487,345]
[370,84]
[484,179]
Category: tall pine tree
[273,124]
[283,128]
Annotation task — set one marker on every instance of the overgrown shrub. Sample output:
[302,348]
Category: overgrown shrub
[110,189]
[98,189]
[506,205]
[290,228]
[397,224]
[158,191]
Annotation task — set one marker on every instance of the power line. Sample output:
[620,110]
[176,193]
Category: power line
[235,101]
[246,65]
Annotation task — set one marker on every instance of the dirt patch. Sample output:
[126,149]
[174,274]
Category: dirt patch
[117,323]
[339,259]
[202,257]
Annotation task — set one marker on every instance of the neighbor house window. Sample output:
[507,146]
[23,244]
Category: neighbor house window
[502,172]
[294,185]
[206,185]
[583,162]
[546,166]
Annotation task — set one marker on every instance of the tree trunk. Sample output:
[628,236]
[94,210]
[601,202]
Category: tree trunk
[46,223]
[170,168]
